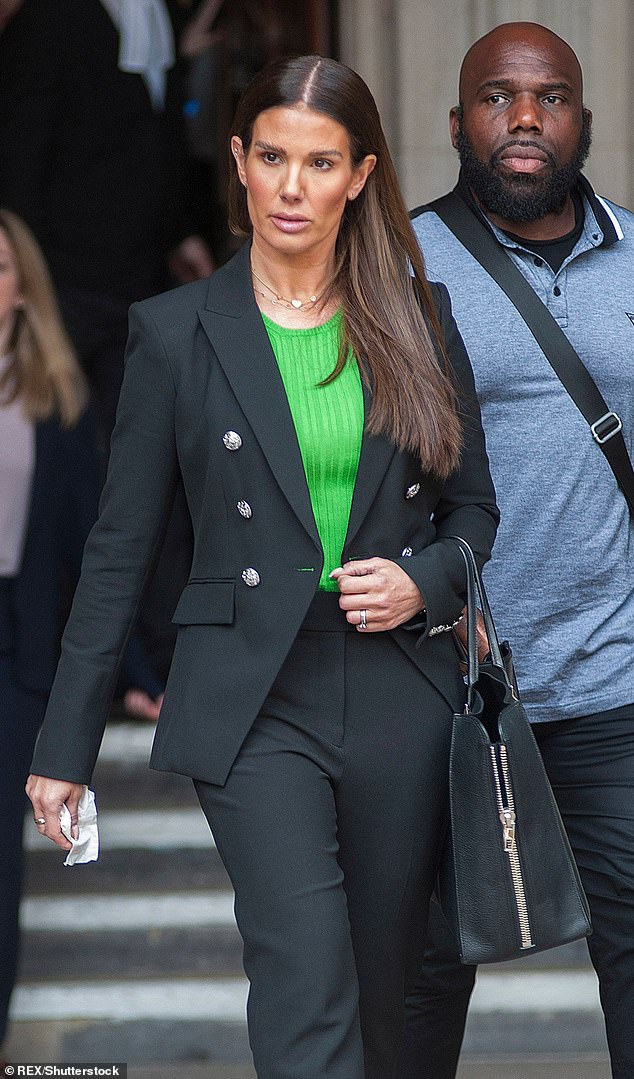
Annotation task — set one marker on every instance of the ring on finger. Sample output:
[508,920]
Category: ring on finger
[363,619]
[39,821]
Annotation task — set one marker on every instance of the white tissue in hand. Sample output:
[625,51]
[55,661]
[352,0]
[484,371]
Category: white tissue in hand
[86,848]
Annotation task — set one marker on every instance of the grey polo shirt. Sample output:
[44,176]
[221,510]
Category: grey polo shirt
[561,580]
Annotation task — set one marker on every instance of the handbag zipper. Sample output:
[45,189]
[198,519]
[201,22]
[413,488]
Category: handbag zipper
[506,811]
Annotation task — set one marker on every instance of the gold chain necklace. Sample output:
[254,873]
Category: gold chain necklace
[293,305]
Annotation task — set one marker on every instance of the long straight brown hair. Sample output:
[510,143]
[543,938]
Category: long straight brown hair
[44,373]
[389,318]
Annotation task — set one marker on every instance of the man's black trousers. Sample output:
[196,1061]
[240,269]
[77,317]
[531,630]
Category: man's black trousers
[590,763]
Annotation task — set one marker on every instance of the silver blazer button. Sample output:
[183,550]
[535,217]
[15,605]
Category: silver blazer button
[244,509]
[407,552]
[232,440]
[251,577]
[412,491]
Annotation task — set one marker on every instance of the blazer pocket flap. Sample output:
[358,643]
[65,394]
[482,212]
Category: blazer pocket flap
[206,602]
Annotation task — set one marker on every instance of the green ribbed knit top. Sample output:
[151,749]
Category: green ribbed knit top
[329,425]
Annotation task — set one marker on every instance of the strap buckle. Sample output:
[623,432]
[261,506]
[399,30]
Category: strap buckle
[606,427]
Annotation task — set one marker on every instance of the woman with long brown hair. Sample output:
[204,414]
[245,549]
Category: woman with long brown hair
[48,501]
[316,404]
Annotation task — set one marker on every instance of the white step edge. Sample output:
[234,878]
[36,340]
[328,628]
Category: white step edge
[188,998]
[95,913]
[223,1000]
[539,992]
[138,829]
[127,742]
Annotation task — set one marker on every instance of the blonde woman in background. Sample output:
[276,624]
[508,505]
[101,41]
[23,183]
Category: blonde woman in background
[48,502]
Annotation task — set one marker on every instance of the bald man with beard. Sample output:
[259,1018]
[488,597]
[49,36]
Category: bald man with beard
[561,578]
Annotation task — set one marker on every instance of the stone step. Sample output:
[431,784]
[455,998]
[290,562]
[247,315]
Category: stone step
[170,943]
[201,1071]
[503,995]
[523,1007]
[155,934]
[145,935]
[152,953]
[117,913]
[168,1041]
[138,829]
[127,741]
[133,785]
[175,1042]
[179,883]
[180,1043]
[588,1066]
[140,951]
[583,1066]
[540,1066]
[533,1011]
[534,1032]
[125,871]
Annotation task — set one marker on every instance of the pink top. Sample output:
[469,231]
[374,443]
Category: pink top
[17,465]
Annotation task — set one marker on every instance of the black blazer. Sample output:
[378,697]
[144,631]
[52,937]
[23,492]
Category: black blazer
[62,510]
[200,371]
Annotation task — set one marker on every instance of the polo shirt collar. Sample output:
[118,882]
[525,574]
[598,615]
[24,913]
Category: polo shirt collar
[603,213]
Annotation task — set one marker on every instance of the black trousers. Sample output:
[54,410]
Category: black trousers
[21,713]
[590,764]
[330,826]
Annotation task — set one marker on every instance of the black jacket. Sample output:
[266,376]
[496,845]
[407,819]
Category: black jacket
[199,366]
[62,510]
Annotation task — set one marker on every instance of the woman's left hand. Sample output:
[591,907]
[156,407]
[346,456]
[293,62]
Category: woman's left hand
[377,592]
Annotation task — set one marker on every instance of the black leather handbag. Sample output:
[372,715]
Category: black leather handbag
[508,883]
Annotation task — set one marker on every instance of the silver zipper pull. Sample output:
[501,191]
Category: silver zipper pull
[507,816]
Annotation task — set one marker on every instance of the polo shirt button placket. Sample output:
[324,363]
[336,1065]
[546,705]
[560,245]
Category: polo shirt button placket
[557,301]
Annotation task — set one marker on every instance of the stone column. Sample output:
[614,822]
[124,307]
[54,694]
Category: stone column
[410,51]
[369,44]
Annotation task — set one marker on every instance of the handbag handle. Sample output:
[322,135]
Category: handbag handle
[476,596]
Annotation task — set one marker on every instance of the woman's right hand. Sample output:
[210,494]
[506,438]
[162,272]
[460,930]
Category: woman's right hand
[47,798]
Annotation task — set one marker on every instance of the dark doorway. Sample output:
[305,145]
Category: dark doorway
[223,44]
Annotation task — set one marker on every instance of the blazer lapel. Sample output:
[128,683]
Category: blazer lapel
[376,455]
[233,324]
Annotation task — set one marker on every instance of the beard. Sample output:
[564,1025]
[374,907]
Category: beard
[522,197]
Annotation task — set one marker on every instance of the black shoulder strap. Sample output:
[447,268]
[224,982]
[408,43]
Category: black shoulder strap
[605,425]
